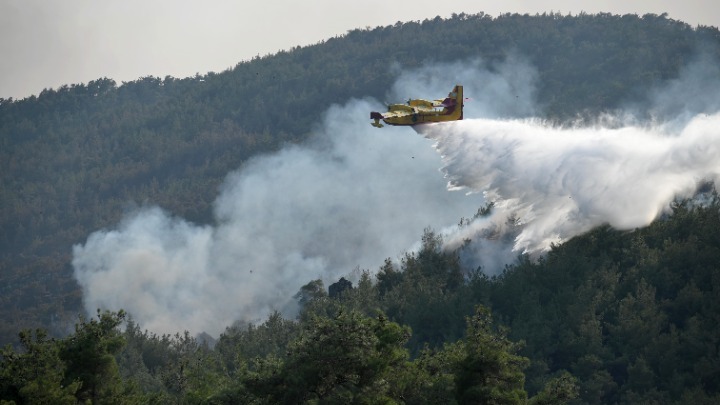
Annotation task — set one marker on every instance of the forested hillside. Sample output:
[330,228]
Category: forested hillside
[609,317]
[631,316]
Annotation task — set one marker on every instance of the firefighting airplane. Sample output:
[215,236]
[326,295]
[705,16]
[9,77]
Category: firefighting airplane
[423,111]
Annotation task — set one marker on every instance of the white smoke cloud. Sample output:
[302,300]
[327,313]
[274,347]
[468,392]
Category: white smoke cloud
[351,197]
[693,92]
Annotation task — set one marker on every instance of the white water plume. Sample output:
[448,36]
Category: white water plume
[550,183]
[560,182]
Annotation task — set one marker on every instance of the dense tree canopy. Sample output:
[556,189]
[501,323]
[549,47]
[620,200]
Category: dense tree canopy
[608,317]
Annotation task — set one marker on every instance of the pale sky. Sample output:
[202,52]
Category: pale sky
[48,43]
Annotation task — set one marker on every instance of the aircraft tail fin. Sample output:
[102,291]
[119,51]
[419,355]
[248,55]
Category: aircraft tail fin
[454,102]
[459,98]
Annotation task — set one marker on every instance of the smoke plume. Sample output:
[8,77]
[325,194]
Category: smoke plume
[351,197]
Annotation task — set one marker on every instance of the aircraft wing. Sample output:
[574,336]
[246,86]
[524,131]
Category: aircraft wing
[420,111]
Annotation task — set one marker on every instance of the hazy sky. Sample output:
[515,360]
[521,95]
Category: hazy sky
[47,43]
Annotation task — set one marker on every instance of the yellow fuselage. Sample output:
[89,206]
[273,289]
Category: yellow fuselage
[421,111]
